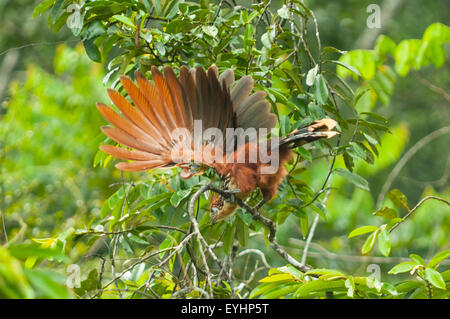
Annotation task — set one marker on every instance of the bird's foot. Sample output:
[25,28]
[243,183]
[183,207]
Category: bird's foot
[231,199]
[232,195]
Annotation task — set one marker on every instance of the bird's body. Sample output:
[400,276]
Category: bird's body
[162,131]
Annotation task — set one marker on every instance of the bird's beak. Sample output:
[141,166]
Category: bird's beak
[186,173]
[213,213]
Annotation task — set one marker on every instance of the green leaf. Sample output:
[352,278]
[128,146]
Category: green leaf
[398,198]
[402,267]
[262,289]
[170,8]
[228,238]
[48,283]
[278,278]
[42,7]
[319,209]
[160,48]
[386,212]
[304,224]
[417,259]
[353,178]
[370,242]
[93,31]
[324,271]
[157,6]
[384,243]
[56,10]
[23,251]
[285,125]
[91,283]
[330,49]
[318,286]
[265,40]
[359,95]
[436,53]
[362,230]
[280,290]
[405,54]
[242,232]
[125,20]
[304,153]
[347,66]
[437,31]
[438,258]
[385,45]
[435,278]
[210,30]
[177,197]
[92,51]
[321,90]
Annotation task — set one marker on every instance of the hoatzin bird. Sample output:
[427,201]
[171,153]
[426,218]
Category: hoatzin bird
[160,131]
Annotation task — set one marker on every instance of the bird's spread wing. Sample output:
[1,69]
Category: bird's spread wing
[148,123]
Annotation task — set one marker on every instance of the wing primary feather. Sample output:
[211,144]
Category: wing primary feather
[126,139]
[241,90]
[176,94]
[125,154]
[125,125]
[228,77]
[140,165]
[190,89]
[141,102]
[216,101]
[203,96]
[166,97]
[159,110]
[132,114]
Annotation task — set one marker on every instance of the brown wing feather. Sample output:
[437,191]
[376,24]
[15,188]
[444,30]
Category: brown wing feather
[144,105]
[172,103]
[125,154]
[154,98]
[140,165]
[166,97]
[124,138]
[124,124]
[190,89]
[131,113]
[176,93]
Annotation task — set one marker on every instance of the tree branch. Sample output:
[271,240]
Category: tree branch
[417,206]
[268,223]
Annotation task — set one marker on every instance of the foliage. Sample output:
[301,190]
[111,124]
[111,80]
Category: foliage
[136,243]
[46,164]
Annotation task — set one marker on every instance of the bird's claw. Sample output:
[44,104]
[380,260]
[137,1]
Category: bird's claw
[232,199]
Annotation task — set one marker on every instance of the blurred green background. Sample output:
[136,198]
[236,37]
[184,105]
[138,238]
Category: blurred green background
[49,133]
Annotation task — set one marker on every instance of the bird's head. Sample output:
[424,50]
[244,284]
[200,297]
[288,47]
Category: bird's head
[220,209]
[216,204]
[193,168]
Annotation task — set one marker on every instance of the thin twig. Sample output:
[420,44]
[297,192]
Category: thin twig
[417,206]
[257,252]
